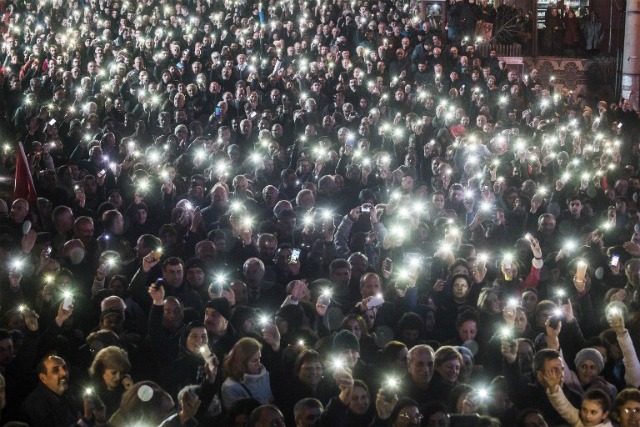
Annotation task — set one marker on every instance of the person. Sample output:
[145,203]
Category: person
[627,407]
[420,369]
[245,376]
[594,412]
[110,378]
[51,403]
[593,34]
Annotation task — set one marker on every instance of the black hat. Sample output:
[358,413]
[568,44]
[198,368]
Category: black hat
[346,340]
[221,305]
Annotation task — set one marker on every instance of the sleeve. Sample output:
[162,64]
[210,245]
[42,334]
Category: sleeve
[630,360]
[560,403]
[342,236]
[335,414]
[231,393]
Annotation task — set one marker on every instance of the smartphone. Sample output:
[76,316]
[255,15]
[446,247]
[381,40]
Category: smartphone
[457,420]
[47,253]
[325,299]
[159,282]
[67,301]
[376,301]
[350,142]
[101,173]
[218,111]
[295,256]
[365,209]
[615,260]
[52,122]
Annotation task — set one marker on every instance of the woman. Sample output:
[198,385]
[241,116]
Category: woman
[361,412]
[572,31]
[144,403]
[626,407]
[404,413]
[109,374]
[309,381]
[195,363]
[447,364]
[245,376]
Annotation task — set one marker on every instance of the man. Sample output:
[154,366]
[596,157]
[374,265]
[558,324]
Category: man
[166,322]
[50,405]
[546,233]
[221,334]
[419,372]
[548,368]
[307,412]
[571,221]
[370,289]
[266,416]
[173,276]
[262,294]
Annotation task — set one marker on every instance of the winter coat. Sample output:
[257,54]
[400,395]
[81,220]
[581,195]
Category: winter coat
[256,386]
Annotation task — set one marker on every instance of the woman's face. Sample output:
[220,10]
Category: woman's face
[468,331]
[196,339]
[359,402]
[112,378]
[520,321]
[529,301]
[460,288]
[587,372]
[310,373]
[494,306]
[253,365]
[449,370]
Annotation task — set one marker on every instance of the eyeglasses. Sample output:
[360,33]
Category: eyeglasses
[408,416]
[632,411]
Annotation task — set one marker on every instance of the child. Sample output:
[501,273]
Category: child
[595,408]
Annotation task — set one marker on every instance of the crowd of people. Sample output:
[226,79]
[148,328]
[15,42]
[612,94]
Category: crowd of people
[306,213]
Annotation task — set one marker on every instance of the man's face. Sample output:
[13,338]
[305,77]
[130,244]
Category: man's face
[195,277]
[113,322]
[19,210]
[420,367]
[633,274]
[6,351]
[56,377]
[552,372]
[371,286]
[173,275]
[341,276]
[308,417]
[84,231]
[214,322]
[575,207]
[547,226]
[629,414]
[270,418]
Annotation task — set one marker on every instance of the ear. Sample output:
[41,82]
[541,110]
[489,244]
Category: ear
[605,416]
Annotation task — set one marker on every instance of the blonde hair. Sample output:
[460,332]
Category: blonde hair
[235,364]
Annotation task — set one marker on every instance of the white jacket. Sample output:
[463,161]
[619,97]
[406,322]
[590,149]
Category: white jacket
[257,386]
[570,414]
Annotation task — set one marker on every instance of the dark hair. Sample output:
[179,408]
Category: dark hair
[542,356]
[241,407]
[466,316]
[402,403]
[626,395]
[599,396]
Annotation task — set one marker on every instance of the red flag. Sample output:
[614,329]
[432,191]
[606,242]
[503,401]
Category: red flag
[24,187]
